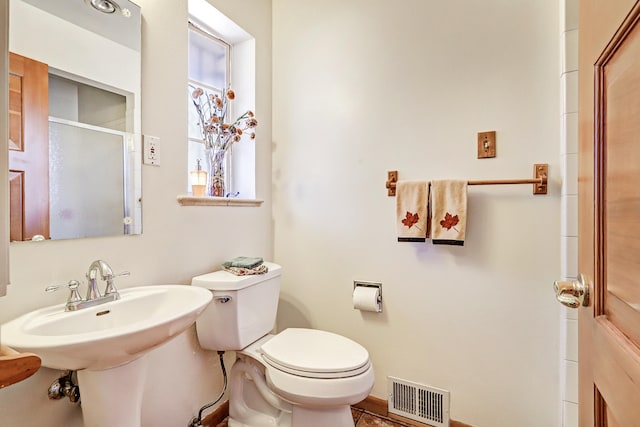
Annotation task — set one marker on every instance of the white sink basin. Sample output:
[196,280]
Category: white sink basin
[109,334]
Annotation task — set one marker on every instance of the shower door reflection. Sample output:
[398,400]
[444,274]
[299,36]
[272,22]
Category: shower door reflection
[91,189]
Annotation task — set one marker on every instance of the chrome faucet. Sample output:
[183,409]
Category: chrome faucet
[106,274]
[75,302]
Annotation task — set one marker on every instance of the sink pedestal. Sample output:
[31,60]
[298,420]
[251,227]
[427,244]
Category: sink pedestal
[113,397]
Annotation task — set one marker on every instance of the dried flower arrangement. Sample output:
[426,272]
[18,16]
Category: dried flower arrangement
[212,113]
[218,134]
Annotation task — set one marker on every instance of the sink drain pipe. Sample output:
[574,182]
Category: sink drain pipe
[197,421]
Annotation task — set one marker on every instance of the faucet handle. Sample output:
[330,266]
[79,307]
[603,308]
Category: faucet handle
[123,273]
[73,285]
[74,296]
[111,288]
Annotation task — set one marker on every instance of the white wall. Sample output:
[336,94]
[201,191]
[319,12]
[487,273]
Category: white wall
[362,87]
[177,242]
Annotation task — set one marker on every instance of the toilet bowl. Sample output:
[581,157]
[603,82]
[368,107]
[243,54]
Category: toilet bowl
[298,377]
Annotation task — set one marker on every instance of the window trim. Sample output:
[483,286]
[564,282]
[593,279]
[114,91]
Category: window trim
[194,26]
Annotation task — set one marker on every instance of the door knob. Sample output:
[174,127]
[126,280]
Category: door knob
[572,294]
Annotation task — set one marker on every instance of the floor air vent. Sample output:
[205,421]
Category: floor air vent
[418,402]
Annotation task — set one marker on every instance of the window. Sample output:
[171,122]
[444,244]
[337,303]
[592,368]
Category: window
[208,69]
[222,55]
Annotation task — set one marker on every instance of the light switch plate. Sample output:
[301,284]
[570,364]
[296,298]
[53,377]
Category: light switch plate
[486,144]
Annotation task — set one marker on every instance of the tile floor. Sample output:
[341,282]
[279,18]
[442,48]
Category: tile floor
[362,419]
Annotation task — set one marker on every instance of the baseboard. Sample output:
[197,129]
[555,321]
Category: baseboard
[217,416]
[380,407]
[371,404]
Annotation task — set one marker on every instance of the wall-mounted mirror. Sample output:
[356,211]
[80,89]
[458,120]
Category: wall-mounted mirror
[74,119]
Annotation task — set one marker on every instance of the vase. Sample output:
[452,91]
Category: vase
[215,163]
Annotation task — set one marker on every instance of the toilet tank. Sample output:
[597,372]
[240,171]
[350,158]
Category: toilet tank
[243,308]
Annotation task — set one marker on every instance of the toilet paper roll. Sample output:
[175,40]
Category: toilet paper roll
[365,298]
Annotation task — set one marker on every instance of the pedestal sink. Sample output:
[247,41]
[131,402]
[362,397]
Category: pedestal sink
[104,344]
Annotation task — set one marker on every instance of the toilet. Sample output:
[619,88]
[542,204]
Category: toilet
[298,377]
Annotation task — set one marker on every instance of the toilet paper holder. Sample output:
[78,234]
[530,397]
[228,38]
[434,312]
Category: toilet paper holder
[378,286]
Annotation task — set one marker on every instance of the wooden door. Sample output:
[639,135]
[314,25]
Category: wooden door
[609,212]
[28,148]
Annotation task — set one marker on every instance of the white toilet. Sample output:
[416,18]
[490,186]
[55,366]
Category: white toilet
[299,377]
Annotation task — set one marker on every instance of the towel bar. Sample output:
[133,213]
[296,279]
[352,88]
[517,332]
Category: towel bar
[539,180]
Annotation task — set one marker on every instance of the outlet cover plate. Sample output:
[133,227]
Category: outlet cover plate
[151,150]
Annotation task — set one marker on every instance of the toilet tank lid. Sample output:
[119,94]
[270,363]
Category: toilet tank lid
[224,281]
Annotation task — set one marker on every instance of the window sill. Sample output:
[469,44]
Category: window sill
[217,201]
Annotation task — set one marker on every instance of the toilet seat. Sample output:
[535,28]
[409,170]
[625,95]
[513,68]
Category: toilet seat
[313,353]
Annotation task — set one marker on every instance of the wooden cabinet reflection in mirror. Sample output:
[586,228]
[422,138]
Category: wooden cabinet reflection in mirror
[28,148]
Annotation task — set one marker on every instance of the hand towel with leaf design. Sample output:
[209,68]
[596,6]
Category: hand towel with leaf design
[412,207]
[448,212]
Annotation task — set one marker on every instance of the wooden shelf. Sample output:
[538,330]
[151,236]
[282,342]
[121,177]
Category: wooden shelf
[15,367]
